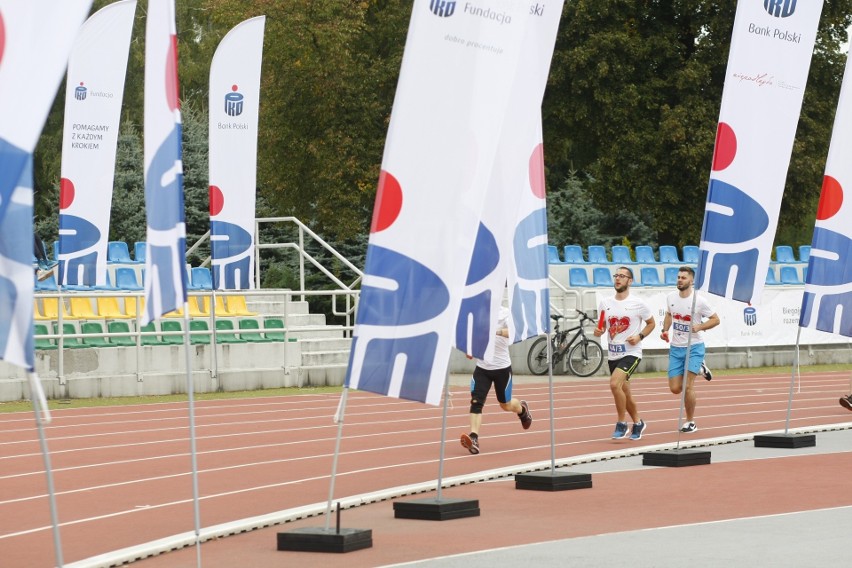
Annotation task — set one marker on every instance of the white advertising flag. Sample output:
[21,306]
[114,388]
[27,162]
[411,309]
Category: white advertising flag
[768,64]
[234,107]
[455,82]
[165,269]
[511,245]
[827,302]
[93,95]
[35,39]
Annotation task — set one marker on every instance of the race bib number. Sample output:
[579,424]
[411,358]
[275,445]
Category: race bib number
[684,327]
[617,349]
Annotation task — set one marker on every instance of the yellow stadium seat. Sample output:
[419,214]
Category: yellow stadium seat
[130,305]
[81,308]
[108,308]
[237,306]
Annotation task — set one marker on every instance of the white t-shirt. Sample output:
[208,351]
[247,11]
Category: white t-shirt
[680,309]
[623,318]
[500,359]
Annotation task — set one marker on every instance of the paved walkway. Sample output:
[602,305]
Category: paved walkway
[749,507]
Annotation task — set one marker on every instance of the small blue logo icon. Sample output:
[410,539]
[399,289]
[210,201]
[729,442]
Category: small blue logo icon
[80,92]
[780,8]
[234,102]
[750,315]
[443,8]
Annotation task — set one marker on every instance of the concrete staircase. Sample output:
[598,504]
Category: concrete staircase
[323,349]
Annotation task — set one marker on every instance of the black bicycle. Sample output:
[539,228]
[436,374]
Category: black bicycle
[585,356]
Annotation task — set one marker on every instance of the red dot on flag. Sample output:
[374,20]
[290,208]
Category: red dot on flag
[217,200]
[2,36]
[726,147]
[388,202]
[536,172]
[66,193]
[830,199]
[172,75]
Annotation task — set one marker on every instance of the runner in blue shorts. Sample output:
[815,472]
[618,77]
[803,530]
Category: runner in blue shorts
[683,322]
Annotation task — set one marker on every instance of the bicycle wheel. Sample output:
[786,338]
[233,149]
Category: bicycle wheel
[585,358]
[537,357]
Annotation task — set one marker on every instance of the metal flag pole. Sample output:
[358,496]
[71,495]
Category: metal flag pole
[550,390]
[190,387]
[685,377]
[793,381]
[42,417]
[338,419]
[443,435]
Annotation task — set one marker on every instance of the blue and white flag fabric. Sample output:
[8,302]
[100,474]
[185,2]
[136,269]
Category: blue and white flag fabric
[93,95]
[827,301]
[768,64]
[234,109]
[511,244]
[35,40]
[165,267]
[455,82]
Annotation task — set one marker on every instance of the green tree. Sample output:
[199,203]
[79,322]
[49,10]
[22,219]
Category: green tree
[127,216]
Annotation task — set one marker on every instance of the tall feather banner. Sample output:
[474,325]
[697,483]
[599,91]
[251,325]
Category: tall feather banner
[768,64]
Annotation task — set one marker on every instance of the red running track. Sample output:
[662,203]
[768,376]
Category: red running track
[122,474]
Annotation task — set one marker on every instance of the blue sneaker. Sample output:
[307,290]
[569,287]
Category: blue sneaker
[620,431]
[638,430]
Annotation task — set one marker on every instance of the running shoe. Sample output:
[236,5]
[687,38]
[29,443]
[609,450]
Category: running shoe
[706,371]
[471,443]
[688,428]
[638,430]
[846,402]
[525,416]
[43,275]
[620,431]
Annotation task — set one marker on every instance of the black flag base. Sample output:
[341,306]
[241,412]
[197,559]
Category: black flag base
[676,458]
[432,509]
[550,480]
[784,440]
[320,539]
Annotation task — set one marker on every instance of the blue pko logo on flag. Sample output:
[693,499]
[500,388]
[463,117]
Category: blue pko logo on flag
[750,315]
[780,8]
[443,8]
[234,102]
[80,92]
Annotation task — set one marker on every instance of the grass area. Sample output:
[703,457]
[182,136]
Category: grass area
[25,405]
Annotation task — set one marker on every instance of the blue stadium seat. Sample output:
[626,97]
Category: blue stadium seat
[117,252]
[784,253]
[573,254]
[602,276]
[125,279]
[140,251]
[650,277]
[47,285]
[690,254]
[553,255]
[770,276]
[804,253]
[597,254]
[668,254]
[645,254]
[200,278]
[789,275]
[621,255]
[577,277]
[670,276]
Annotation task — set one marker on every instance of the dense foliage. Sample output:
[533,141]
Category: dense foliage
[629,116]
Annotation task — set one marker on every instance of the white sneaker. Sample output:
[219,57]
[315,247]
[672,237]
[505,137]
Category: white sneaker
[706,371]
[688,428]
